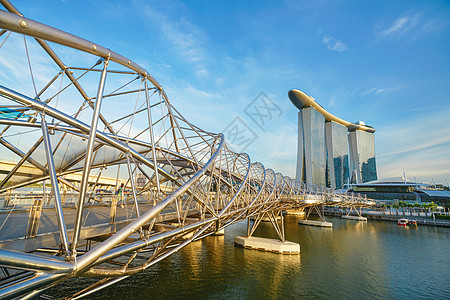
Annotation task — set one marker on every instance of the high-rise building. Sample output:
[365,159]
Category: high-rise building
[362,154]
[311,155]
[324,144]
[337,150]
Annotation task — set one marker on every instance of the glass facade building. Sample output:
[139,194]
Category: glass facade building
[337,152]
[311,155]
[331,151]
[318,148]
[362,154]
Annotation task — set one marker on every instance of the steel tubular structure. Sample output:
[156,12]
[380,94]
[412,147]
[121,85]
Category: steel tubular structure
[132,181]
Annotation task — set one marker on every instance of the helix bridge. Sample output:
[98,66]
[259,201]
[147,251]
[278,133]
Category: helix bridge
[102,177]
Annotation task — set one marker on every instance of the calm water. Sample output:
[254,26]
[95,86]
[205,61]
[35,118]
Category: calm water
[354,260]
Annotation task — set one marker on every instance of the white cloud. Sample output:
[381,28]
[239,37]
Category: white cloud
[424,145]
[202,73]
[185,38]
[187,44]
[424,163]
[334,44]
[399,26]
[382,91]
[411,26]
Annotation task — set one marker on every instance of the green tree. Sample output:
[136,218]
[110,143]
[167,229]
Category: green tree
[429,207]
[433,206]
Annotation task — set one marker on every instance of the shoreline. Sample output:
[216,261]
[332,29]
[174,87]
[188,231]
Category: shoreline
[373,215]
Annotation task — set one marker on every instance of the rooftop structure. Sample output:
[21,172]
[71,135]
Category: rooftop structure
[302,100]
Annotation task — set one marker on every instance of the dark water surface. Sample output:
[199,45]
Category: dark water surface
[354,260]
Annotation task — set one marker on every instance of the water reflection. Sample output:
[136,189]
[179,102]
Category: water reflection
[354,260]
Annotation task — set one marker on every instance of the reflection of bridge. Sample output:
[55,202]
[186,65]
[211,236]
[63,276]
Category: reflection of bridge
[64,130]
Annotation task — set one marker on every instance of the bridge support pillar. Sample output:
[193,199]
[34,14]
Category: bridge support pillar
[320,213]
[358,216]
[265,244]
[218,230]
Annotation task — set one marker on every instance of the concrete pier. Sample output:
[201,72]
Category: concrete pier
[264,244]
[315,223]
[356,218]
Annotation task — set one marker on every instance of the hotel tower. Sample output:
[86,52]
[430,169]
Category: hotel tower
[331,152]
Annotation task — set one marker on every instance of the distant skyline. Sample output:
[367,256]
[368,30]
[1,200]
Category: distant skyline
[386,63]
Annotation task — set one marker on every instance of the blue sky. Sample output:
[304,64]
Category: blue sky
[384,62]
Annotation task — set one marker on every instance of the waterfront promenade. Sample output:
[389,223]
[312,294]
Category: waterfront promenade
[392,216]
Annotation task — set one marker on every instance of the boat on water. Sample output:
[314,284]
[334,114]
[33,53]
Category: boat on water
[406,222]
[402,222]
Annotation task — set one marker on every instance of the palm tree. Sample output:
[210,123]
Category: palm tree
[396,206]
[429,207]
[417,206]
[410,206]
[433,206]
[388,206]
[402,204]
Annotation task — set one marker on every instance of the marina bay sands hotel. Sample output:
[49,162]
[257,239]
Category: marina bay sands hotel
[331,151]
